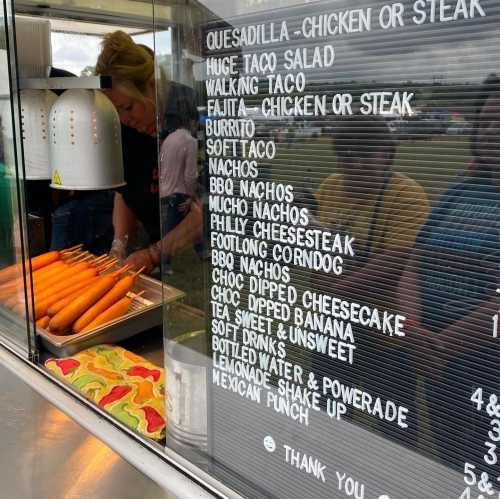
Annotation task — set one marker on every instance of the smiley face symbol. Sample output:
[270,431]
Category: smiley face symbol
[269,444]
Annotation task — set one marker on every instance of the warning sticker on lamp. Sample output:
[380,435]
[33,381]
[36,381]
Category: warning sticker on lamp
[56,178]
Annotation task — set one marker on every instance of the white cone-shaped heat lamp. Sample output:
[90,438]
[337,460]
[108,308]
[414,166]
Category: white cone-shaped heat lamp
[35,110]
[85,142]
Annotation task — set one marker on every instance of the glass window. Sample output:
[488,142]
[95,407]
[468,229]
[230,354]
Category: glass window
[334,218]
[13,241]
[278,228]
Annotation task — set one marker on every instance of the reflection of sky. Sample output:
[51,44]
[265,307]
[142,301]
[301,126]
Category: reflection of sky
[455,53]
[163,41]
[74,52]
[462,51]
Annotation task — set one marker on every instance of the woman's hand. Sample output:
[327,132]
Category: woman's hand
[140,259]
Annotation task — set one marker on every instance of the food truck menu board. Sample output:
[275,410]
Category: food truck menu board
[352,150]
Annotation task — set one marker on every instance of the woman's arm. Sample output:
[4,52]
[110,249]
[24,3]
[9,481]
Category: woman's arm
[124,226]
[189,231]
[124,219]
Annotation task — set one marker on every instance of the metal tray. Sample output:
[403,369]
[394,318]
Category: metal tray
[146,313]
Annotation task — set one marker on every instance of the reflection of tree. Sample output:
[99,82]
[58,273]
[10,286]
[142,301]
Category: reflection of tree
[88,71]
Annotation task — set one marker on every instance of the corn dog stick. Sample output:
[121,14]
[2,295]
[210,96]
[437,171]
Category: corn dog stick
[139,271]
[107,265]
[121,271]
[77,258]
[87,258]
[72,249]
[100,259]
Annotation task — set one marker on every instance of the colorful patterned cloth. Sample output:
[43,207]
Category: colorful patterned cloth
[127,386]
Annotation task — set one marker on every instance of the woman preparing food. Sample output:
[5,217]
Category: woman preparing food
[134,95]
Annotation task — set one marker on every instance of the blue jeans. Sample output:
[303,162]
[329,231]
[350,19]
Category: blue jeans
[171,216]
[86,220]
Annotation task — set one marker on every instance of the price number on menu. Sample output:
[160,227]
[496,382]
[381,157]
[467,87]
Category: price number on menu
[493,410]
[481,480]
[472,476]
[495,321]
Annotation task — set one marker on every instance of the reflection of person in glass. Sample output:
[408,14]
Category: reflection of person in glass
[449,293]
[134,95]
[179,172]
[384,211]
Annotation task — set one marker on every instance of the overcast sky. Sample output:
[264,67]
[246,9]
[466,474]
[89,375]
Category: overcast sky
[74,52]
[449,52]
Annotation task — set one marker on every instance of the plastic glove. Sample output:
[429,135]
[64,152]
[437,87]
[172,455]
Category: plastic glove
[119,248]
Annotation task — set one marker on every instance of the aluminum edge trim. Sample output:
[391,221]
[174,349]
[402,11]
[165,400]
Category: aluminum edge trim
[144,459]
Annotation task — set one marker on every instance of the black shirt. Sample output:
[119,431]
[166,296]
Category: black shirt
[140,158]
[140,164]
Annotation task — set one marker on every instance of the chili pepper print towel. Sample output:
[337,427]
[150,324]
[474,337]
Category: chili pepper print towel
[122,383]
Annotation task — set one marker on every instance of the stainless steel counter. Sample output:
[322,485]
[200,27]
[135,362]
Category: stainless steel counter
[44,454]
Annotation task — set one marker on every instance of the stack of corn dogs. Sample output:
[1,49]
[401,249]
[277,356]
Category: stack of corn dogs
[73,291]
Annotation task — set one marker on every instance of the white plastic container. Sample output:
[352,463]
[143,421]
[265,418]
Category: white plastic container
[186,371]
[34,53]
[85,142]
[35,110]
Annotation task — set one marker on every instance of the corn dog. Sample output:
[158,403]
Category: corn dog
[43,260]
[12,271]
[44,294]
[70,271]
[44,277]
[43,322]
[69,314]
[116,310]
[60,304]
[42,306]
[52,269]
[117,292]
[49,269]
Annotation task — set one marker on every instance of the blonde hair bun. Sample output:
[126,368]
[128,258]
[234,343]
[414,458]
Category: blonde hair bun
[125,60]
